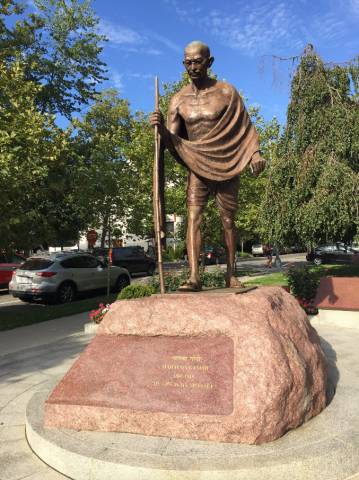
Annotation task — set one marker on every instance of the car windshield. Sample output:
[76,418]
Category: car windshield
[36,264]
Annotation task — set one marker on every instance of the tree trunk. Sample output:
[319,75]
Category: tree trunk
[104,230]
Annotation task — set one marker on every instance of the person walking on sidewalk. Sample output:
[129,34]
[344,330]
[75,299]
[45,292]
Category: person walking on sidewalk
[268,251]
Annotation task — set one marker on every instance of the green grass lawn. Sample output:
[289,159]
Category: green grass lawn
[13,316]
[280,279]
[272,279]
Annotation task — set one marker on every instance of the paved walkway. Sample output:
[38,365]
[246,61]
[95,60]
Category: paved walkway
[29,358]
[32,356]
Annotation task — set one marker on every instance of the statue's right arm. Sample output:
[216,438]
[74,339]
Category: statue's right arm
[173,121]
[173,117]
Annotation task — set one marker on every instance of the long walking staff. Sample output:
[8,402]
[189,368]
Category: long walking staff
[157,204]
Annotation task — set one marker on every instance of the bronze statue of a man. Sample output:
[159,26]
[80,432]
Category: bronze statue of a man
[209,131]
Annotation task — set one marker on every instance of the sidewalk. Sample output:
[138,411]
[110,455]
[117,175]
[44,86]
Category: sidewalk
[40,333]
[31,357]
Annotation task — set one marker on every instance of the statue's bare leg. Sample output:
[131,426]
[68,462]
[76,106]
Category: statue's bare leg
[195,214]
[230,241]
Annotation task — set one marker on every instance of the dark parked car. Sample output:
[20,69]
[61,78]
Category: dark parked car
[213,255]
[333,253]
[134,259]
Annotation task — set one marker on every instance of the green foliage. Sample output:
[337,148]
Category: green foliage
[244,255]
[214,279]
[171,253]
[49,63]
[139,153]
[315,273]
[175,174]
[313,185]
[273,279]
[102,138]
[30,148]
[16,37]
[303,282]
[135,291]
[172,280]
[60,47]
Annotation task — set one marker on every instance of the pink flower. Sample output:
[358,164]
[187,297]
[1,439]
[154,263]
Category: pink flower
[97,315]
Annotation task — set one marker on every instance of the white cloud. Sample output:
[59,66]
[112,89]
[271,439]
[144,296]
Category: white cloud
[153,51]
[129,40]
[165,41]
[116,80]
[141,75]
[256,28]
[328,26]
[140,50]
[270,26]
[184,13]
[119,35]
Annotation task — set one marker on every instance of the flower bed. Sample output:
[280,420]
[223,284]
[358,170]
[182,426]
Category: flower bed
[98,314]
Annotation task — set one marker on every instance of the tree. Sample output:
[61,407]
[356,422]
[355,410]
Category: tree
[102,140]
[140,156]
[30,145]
[15,39]
[312,190]
[252,189]
[49,63]
[61,50]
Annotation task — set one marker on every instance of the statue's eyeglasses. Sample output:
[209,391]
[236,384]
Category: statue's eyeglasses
[197,61]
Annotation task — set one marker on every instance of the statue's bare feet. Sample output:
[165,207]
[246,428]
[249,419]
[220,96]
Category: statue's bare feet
[190,286]
[233,282]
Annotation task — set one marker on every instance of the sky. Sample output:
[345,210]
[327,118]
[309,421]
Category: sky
[147,37]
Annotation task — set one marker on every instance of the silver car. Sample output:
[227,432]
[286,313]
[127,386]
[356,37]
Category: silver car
[59,276]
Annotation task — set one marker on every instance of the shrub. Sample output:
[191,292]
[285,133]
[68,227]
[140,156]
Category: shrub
[173,280]
[302,282]
[171,254]
[244,255]
[216,278]
[135,291]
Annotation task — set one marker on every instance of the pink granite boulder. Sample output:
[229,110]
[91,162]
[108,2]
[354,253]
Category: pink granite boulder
[210,366]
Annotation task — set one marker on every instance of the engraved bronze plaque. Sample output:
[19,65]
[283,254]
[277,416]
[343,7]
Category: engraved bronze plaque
[160,374]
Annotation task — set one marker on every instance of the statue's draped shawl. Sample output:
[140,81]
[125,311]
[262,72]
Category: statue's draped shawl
[225,150]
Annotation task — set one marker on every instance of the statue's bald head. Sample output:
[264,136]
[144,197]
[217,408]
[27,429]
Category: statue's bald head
[198,47]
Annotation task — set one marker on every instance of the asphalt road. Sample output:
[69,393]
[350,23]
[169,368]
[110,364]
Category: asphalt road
[242,264]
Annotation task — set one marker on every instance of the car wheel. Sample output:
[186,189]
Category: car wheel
[66,293]
[318,261]
[151,270]
[121,283]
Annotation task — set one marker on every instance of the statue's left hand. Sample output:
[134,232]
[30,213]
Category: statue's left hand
[257,164]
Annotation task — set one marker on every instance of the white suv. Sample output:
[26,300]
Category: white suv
[59,276]
[257,249]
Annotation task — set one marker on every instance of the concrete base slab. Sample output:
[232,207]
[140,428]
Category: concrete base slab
[326,447]
[336,318]
[91,328]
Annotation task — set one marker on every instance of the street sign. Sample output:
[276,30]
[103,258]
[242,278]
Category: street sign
[91,237]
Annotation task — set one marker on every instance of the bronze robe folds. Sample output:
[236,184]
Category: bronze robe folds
[225,150]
